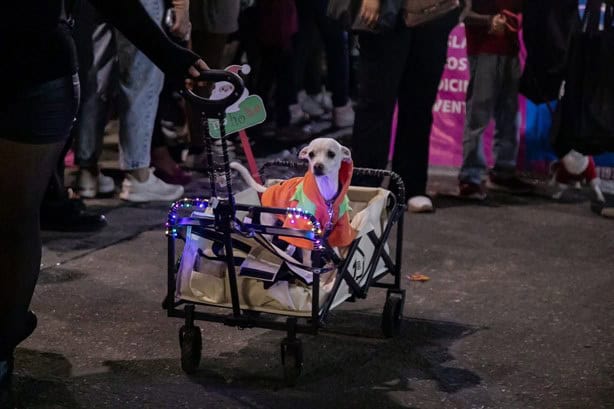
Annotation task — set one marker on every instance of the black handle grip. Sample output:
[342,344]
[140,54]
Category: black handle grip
[216,106]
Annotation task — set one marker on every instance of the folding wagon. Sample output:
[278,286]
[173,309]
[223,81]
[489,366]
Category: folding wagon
[224,266]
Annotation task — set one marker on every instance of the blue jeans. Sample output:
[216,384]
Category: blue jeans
[492,92]
[140,83]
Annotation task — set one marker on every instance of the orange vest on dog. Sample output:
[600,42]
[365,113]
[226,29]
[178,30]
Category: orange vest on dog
[303,193]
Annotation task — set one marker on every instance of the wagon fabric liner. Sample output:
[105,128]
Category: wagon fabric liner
[265,282]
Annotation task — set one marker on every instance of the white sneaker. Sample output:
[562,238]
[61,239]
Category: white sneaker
[343,117]
[230,149]
[174,133]
[420,204]
[90,186]
[310,105]
[297,115]
[153,189]
[325,100]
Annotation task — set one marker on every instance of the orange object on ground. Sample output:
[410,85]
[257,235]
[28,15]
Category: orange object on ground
[418,277]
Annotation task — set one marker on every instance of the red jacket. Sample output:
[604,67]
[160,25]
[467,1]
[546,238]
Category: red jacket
[480,41]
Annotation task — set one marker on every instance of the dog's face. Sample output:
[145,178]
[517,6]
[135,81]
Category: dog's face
[325,156]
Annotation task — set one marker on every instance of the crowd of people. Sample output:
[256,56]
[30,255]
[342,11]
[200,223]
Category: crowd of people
[305,66]
[133,55]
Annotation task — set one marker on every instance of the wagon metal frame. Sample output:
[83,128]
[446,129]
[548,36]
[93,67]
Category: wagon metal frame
[224,223]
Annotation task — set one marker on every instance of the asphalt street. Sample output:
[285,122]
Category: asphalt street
[518,313]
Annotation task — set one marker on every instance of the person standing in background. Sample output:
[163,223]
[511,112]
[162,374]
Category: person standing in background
[115,60]
[402,65]
[492,47]
[312,20]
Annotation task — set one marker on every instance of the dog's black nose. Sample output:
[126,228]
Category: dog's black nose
[318,169]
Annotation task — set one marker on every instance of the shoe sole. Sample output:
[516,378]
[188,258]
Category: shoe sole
[92,194]
[421,209]
[87,193]
[503,189]
[608,212]
[342,125]
[474,196]
[140,198]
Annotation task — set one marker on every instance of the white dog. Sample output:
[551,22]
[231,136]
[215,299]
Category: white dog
[322,191]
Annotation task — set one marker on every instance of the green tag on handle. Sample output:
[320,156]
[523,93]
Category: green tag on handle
[251,113]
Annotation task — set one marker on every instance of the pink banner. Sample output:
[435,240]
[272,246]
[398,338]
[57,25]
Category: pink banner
[449,108]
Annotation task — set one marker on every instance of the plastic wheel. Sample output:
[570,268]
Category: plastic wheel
[292,360]
[392,316]
[191,343]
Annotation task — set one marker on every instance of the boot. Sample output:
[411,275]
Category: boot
[6,375]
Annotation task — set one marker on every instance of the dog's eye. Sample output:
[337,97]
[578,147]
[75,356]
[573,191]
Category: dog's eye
[330,154]
[312,155]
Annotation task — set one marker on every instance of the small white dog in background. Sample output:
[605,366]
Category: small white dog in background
[571,170]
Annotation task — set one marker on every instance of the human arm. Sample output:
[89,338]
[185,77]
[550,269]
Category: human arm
[129,17]
[181,27]
[495,23]
[369,12]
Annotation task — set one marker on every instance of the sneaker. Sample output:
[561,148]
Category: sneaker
[153,189]
[310,105]
[605,208]
[218,152]
[508,184]
[196,161]
[469,190]
[608,212]
[173,133]
[70,215]
[297,115]
[6,378]
[324,99]
[343,117]
[90,185]
[420,204]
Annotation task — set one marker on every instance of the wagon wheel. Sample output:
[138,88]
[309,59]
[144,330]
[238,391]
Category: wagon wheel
[292,360]
[392,315]
[191,343]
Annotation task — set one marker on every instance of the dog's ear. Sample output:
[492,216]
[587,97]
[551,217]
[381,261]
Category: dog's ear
[346,154]
[304,153]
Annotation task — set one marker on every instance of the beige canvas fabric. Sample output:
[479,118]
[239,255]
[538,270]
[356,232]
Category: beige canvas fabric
[207,282]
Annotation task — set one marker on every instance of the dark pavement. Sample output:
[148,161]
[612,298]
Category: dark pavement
[518,313]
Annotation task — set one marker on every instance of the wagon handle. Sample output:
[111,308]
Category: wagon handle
[218,106]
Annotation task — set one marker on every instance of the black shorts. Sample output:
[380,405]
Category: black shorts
[41,113]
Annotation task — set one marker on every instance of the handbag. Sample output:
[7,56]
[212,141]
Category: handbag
[347,13]
[584,120]
[417,12]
